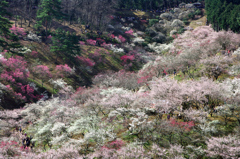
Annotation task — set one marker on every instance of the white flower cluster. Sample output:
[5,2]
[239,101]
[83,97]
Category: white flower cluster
[232,86]
[59,83]
[113,90]
[115,49]
[237,52]
[57,128]
[126,28]
[138,40]
[159,48]
[23,50]
[234,70]
[209,128]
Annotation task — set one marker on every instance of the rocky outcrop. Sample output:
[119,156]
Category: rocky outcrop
[33,37]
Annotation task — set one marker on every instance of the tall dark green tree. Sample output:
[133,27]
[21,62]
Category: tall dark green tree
[65,44]
[7,39]
[48,10]
[223,14]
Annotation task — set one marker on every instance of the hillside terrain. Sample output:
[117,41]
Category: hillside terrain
[134,83]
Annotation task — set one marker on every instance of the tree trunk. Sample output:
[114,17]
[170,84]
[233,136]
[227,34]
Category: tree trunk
[21,21]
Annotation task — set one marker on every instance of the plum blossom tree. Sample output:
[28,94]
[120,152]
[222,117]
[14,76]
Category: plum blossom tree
[124,79]
[18,31]
[15,67]
[43,72]
[58,84]
[91,42]
[226,147]
[86,61]
[64,70]
[130,32]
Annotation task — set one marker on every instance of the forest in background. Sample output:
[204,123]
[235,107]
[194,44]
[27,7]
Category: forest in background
[90,11]
[223,14]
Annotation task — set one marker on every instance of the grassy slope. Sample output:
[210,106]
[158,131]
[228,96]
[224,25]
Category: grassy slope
[46,57]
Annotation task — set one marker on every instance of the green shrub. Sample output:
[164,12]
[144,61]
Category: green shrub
[191,15]
[148,39]
[153,21]
[186,22]
[198,12]
[181,30]
[144,44]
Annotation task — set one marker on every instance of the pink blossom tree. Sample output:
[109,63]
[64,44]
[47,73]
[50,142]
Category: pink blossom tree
[91,42]
[86,61]
[226,147]
[43,72]
[130,32]
[34,54]
[121,79]
[64,70]
[16,66]
[18,31]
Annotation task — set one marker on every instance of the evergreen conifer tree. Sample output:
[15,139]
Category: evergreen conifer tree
[65,43]
[7,39]
[223,14]
[49,10]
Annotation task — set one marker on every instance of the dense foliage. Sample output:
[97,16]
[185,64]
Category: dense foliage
[7,39]
[223,14]
[151,4]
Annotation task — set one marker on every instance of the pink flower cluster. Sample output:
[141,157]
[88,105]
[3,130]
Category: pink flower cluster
[17,31]
[106,46]
[130,32]
[175,36]
[117,144]
[98,55]
[121,38]
[7,76]
[91,42]
[86,61]
[15,62]
[34,54]
[15,67]
[111,17]
[7,144]
[27,89]
[143,21]
[124,58]
[112,36]
[101,41]
[143,79]
[186,125]
[43,71]
[49,37]
[64,70]
[81,42]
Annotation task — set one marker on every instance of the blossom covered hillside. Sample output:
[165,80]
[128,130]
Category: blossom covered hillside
[182,104]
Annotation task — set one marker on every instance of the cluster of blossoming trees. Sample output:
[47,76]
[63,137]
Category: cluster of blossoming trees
[15,73]
[181,105]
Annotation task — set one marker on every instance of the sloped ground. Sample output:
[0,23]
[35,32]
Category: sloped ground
[200,22]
